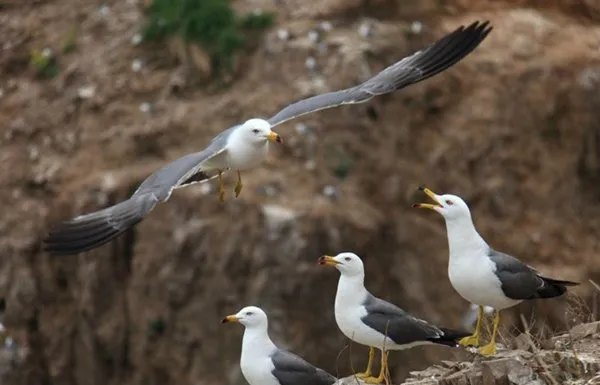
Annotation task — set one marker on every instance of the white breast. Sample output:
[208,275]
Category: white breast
[472,276]
[258,370]
[348,313]
[255,361]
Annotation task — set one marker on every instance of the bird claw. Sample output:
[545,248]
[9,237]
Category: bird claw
[488,350]
[362,375]
[372,380]
[469,341]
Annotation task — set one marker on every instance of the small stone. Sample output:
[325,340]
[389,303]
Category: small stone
[47,52]
[416,27]
[326,26]
[314,35]
[146,107]
[365,30]
[136,39]
[310,63]
[283,34]
[109,182]
[104,10]
[330,191]
[136,65]
[583,330]
[86,92]
[310,165]
[302,129]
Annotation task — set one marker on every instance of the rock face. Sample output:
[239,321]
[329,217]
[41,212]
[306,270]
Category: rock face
[513,129]
[570,358]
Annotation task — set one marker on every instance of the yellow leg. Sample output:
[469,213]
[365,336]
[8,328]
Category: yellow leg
[473,340]
[238,185]
[367,372]
[221,187]
[382,372]
[490,349]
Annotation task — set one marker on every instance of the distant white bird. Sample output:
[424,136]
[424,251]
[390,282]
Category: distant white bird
[376,323]
[245,146]
[482,275]
[263,363]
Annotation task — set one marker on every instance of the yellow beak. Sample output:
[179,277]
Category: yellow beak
[431,195]
[274,137]
[327,260]
[230,318]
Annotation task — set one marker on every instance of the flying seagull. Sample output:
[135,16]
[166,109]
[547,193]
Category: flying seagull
[245,145]
[482,275]
[263,363]
[376,323]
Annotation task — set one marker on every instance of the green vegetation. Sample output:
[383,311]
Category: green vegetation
[70,41]
[212,24]
[44,63]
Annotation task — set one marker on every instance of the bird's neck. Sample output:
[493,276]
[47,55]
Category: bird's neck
[351,291]
[256,343]
[463,239]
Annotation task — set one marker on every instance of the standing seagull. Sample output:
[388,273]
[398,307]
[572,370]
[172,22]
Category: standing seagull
[263,363]
[376,323]
[245,146]
[482,275]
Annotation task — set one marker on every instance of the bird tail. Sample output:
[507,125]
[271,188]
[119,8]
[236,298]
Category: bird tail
[89,231]
[553,287]
[450,337]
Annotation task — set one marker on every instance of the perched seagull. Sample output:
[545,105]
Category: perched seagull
[376,323]
[263,363]
[482,275]
[245,146]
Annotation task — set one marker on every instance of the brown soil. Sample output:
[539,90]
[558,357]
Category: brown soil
[512,128]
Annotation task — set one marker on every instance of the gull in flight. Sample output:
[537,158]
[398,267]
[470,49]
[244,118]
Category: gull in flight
[245,146]
[482,275]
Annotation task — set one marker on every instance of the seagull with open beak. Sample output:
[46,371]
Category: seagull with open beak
[482,275]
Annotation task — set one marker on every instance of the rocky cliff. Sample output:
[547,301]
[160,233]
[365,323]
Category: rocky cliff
[512,128]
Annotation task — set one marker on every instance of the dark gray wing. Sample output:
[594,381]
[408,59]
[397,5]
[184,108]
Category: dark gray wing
[421,65]
[397,324]
[520,281]
[293,370]
[89,231]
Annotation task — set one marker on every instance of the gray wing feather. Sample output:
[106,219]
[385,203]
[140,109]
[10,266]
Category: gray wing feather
[518,280]
[293,370]
[89,231]
[419,66]
[397,324]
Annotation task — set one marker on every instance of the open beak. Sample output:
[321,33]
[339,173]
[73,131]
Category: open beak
[433,197]
[230,318]
[326,260]
[274,137]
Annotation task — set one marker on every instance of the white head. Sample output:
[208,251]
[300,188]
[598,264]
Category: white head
[452,207]
[349,264]
[258,131]
[250,316]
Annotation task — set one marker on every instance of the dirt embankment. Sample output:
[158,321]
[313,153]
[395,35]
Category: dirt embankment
[512,128]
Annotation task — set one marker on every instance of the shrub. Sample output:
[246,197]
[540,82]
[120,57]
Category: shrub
[212,24]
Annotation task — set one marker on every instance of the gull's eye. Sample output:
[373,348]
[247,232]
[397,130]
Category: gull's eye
[255,130]
[449,202]
[347,259]
[249,313]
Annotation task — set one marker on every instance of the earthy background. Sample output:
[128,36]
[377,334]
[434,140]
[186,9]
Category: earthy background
[513,129]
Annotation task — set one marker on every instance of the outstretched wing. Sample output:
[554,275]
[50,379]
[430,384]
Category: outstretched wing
[421,65]
[89,231]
